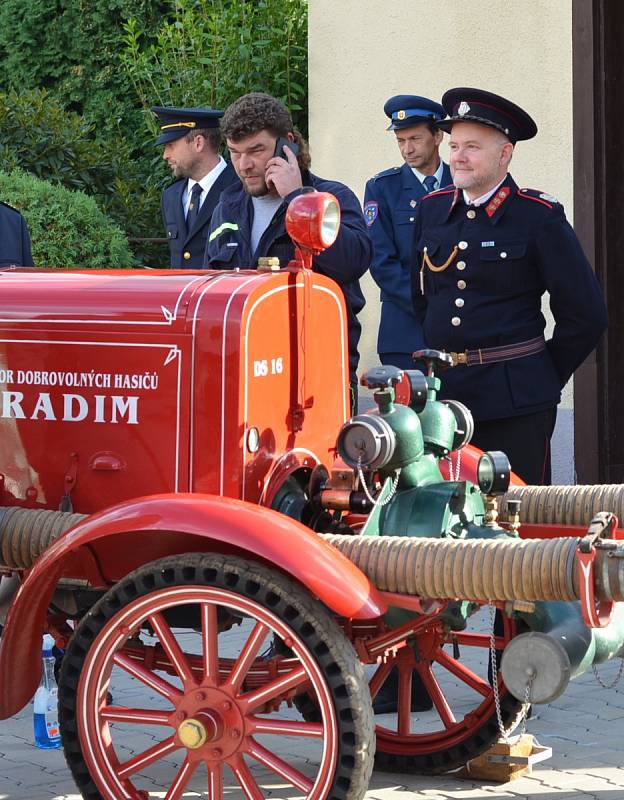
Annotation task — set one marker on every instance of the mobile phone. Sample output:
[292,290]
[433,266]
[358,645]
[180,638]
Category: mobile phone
[283,142]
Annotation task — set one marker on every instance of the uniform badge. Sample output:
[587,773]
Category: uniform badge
[401,114]
[371,210]
[413,203]
[548,197]
[464,108]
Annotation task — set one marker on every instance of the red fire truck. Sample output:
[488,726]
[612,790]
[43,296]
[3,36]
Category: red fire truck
[180,480]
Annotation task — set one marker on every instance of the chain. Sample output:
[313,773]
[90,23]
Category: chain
[494,667]
[386,500]
[615,681]
[454,474]
[527,692]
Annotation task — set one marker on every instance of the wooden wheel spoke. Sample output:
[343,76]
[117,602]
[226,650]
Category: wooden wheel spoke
[279,766]
[272,690]
[285,727]
[464,674]
[248,655]
[181,780]
[437,695]
[210,645]
[404,701]
[246,780]
[134,716]
[147,757]
[148,677]
[215,781]
[172,648]
[379,678]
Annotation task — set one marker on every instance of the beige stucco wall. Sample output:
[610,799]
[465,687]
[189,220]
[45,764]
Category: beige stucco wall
[363,51]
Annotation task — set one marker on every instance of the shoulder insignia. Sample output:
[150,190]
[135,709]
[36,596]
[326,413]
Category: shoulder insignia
[540,197]
[8,205]
[387,172]
[371,211]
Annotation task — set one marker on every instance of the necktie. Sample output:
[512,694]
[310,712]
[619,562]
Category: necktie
[429,183]
[193,209]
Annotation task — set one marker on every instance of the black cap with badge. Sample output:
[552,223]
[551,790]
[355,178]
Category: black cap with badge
[177,122]
[487,108]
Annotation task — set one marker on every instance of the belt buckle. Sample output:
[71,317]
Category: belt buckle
[459,358]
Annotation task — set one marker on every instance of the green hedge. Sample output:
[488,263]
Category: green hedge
[67,229]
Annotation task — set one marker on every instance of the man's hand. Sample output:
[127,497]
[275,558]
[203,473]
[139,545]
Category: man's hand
[283,174]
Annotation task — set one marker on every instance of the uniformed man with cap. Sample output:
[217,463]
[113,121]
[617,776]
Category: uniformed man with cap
[14,238]
[191,140]
[390,203]
[485,251]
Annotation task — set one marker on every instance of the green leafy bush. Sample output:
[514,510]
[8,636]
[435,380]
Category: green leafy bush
[209,52]
[67,229]
[60,146]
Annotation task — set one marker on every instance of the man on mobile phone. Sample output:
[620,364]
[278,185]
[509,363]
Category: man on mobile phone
[191,139]
[273,164]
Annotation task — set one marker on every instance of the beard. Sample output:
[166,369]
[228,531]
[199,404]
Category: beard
[258,188]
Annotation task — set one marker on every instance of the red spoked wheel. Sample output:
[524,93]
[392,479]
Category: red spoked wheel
[186,646]
[455,670]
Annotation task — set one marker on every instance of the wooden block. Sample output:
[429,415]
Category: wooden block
[506,761]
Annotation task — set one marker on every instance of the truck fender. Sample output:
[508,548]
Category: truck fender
[162,525]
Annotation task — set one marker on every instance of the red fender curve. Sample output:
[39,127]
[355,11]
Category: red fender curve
[128,535]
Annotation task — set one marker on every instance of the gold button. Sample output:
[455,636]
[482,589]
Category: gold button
[463,245]
[471,214]
[455,321]
[187,255]
[503,254]
[461,265]
[459,302]
[461,284]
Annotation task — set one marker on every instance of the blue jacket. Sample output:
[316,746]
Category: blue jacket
[193,242]
[14,238]
[345,261]
[509,253]
[390,203]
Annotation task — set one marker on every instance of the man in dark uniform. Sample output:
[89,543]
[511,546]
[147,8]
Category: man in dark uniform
[249,222]
[485,252]
[390,203]
[14,238]
[191,140]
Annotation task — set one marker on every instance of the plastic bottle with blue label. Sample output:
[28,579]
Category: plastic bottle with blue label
[47,732]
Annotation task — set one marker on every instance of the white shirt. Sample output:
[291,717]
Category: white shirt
[437,175]
[484,197]
[207,182]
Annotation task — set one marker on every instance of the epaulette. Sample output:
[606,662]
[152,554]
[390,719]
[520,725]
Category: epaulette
[539,197]
[386,172]
[2,203]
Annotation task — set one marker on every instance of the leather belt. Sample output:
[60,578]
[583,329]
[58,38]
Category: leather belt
[506,352]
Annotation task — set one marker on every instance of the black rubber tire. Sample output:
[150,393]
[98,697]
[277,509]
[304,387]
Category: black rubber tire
[306,617]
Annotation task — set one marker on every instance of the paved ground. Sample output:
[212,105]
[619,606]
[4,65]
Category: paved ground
[585,729]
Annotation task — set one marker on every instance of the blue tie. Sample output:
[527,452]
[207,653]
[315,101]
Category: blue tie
[193,209]
[430,183]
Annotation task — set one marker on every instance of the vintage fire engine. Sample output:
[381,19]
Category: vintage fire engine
[234,566]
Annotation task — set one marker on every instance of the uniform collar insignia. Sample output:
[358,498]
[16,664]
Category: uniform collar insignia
[497,200]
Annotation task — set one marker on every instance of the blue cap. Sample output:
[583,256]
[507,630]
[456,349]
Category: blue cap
[177,122]
[486,108]
[406,110]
